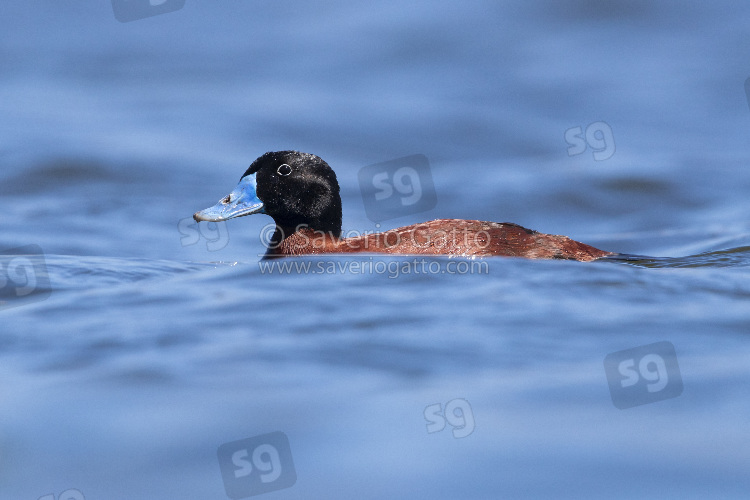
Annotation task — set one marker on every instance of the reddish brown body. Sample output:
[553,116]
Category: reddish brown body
[456,237]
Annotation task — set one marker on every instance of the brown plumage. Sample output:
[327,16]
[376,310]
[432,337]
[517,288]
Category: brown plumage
[457,237]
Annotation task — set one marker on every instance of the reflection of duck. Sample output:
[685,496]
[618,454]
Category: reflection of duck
[300,192]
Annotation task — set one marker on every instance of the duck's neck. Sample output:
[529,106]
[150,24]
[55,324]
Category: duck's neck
[321,218]
[301,240]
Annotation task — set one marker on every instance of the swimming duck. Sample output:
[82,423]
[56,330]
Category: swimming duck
[300,192]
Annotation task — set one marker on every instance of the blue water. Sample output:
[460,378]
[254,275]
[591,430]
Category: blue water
[155,343]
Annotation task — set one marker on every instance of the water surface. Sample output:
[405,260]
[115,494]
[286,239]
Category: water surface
[155,343]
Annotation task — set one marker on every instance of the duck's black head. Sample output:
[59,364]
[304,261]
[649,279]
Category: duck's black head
[292,187]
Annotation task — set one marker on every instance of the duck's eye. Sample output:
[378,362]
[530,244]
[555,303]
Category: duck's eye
[284,170]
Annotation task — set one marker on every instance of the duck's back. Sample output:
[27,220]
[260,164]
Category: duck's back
[470,238]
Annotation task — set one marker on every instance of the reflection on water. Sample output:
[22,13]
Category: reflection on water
[730,257]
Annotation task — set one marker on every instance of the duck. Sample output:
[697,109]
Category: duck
[300,192]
